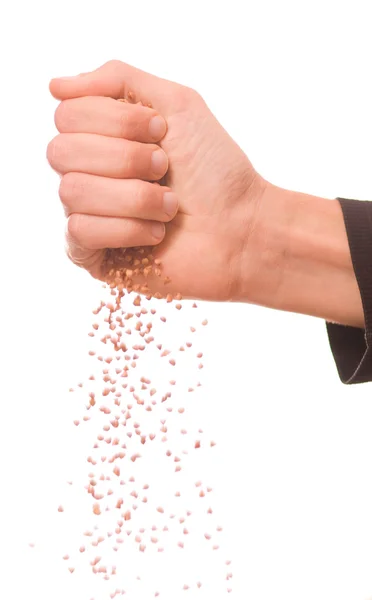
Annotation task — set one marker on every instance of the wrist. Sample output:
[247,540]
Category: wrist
[303,258]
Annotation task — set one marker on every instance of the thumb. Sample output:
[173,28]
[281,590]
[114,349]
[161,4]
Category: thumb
[116,79]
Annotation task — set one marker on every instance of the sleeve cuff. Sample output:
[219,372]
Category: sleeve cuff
[351,346]
[352,355]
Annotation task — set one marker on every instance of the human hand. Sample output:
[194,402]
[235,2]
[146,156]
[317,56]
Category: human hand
[109,198]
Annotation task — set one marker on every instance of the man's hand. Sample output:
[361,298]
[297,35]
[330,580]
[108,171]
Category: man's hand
[104,154]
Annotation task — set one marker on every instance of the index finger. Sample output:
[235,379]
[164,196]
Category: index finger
[116,79]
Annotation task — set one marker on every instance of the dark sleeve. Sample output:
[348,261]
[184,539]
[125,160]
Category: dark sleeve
[352,346]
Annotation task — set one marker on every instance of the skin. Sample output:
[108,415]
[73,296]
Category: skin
[231,236]
[112,196]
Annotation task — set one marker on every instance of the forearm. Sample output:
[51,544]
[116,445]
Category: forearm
[305,252]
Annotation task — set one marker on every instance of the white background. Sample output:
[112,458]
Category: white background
[290,81]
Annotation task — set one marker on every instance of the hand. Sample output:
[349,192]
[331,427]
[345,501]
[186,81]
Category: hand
[110,200]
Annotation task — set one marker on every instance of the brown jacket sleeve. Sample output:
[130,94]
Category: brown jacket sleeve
[351,346]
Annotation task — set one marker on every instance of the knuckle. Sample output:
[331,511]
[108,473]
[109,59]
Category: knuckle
[71,189]
[74,227]
[60,115]
[115,67]
[51,150]
[182,90]
[114,62]
[188,96]
[63,116]
[55,150]
[189,91]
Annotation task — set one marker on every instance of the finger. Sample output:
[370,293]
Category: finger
[105,116]
[105,197]
[117,79]
[96,233]
[106,156]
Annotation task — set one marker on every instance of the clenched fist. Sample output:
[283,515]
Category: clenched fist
[203,218]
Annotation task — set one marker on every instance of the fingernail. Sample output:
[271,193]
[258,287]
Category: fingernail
[158,230]
[170,202]
[157,127]
[159,162]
